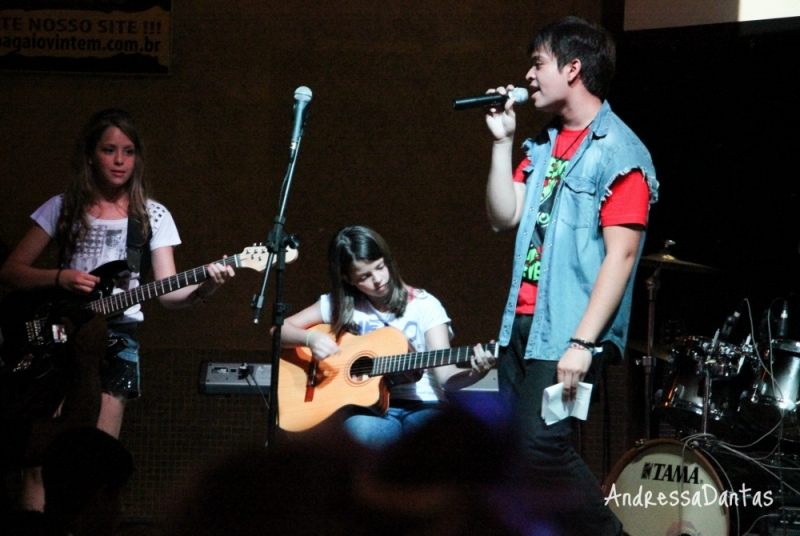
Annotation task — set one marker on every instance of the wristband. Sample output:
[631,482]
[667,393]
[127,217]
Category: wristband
[577,346]
[588,345]
[58,275]
[308,337]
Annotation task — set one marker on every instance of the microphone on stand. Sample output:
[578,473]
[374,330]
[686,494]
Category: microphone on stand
[520,94]
[783,321]
[302,96]
[731,322]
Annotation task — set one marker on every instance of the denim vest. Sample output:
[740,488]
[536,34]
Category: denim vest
[573,248]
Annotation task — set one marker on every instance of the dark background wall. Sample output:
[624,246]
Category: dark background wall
[382,147]
[719,120]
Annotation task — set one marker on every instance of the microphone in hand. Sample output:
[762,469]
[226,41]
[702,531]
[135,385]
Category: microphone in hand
[520,94]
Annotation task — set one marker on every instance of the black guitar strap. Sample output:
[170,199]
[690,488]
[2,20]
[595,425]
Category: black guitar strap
[138,247]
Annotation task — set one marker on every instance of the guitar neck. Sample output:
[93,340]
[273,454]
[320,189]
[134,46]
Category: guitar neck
[423,360]
[123,300]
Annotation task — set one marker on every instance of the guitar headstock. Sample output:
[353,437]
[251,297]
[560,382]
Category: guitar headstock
[255,257]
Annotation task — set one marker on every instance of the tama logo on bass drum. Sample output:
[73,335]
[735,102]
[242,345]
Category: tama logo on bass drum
[670,472]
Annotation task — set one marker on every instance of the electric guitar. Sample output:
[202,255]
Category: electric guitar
[310,390]
[30,321]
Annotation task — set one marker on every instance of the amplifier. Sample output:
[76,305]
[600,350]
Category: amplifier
[234,378]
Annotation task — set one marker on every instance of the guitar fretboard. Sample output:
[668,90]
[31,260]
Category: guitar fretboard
[422,360]
[124,300]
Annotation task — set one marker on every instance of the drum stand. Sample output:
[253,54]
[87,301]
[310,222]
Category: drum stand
[710,358]
[662,259]
[648,361]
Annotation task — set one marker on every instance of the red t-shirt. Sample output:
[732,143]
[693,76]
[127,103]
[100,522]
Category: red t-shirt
[628,203]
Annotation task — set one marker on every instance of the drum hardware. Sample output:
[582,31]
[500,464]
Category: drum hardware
[707,375]
[721,361]
[661,351]
[771,403]
[661,260]
[706,381]
[664,259]
[720,390]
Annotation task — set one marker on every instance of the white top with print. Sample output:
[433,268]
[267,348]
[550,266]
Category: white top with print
[106,241]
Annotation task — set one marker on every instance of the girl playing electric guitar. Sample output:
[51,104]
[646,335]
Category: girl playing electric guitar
[89,224]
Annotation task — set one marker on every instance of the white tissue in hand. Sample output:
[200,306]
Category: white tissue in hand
[555,409]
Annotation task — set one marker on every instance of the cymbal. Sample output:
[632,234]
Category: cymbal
[661,351]
[668,262]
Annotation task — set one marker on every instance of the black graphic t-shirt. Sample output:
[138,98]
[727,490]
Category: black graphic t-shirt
[567,143]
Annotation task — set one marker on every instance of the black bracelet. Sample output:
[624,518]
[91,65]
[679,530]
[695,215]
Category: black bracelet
[58,275]
[586,344]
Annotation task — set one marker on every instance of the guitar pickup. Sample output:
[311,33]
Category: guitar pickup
[59,333]
[33,330]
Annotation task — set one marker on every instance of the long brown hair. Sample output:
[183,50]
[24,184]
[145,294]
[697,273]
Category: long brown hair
[358,243]
[73,222]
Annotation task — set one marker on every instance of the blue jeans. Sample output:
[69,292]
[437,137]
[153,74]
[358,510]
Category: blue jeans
[377,432]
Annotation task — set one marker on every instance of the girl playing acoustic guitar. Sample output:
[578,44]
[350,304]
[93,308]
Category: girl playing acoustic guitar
[368,293]
[89,223]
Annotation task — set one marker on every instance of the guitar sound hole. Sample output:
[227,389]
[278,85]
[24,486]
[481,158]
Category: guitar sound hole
[361,369]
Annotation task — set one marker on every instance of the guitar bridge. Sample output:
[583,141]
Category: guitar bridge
[311,380]
[33,330]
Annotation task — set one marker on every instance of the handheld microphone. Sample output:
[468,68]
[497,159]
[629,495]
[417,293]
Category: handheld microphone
[783,321]
[520,94]
[302,96]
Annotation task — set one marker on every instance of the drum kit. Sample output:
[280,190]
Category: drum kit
[733,464]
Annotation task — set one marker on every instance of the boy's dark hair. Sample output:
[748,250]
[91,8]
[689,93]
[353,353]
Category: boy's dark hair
[574,37]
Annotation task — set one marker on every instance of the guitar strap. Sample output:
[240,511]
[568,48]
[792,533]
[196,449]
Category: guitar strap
[137,247]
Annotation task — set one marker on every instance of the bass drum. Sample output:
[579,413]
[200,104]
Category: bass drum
[665,487]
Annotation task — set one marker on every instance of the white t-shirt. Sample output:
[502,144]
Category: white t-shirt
[422,313]
[106,241]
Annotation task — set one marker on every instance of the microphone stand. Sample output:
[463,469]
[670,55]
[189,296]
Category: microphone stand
[276,245]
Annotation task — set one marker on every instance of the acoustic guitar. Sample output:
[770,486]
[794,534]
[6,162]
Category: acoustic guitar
[311,390]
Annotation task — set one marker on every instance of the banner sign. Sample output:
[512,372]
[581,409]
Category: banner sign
[105,36]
